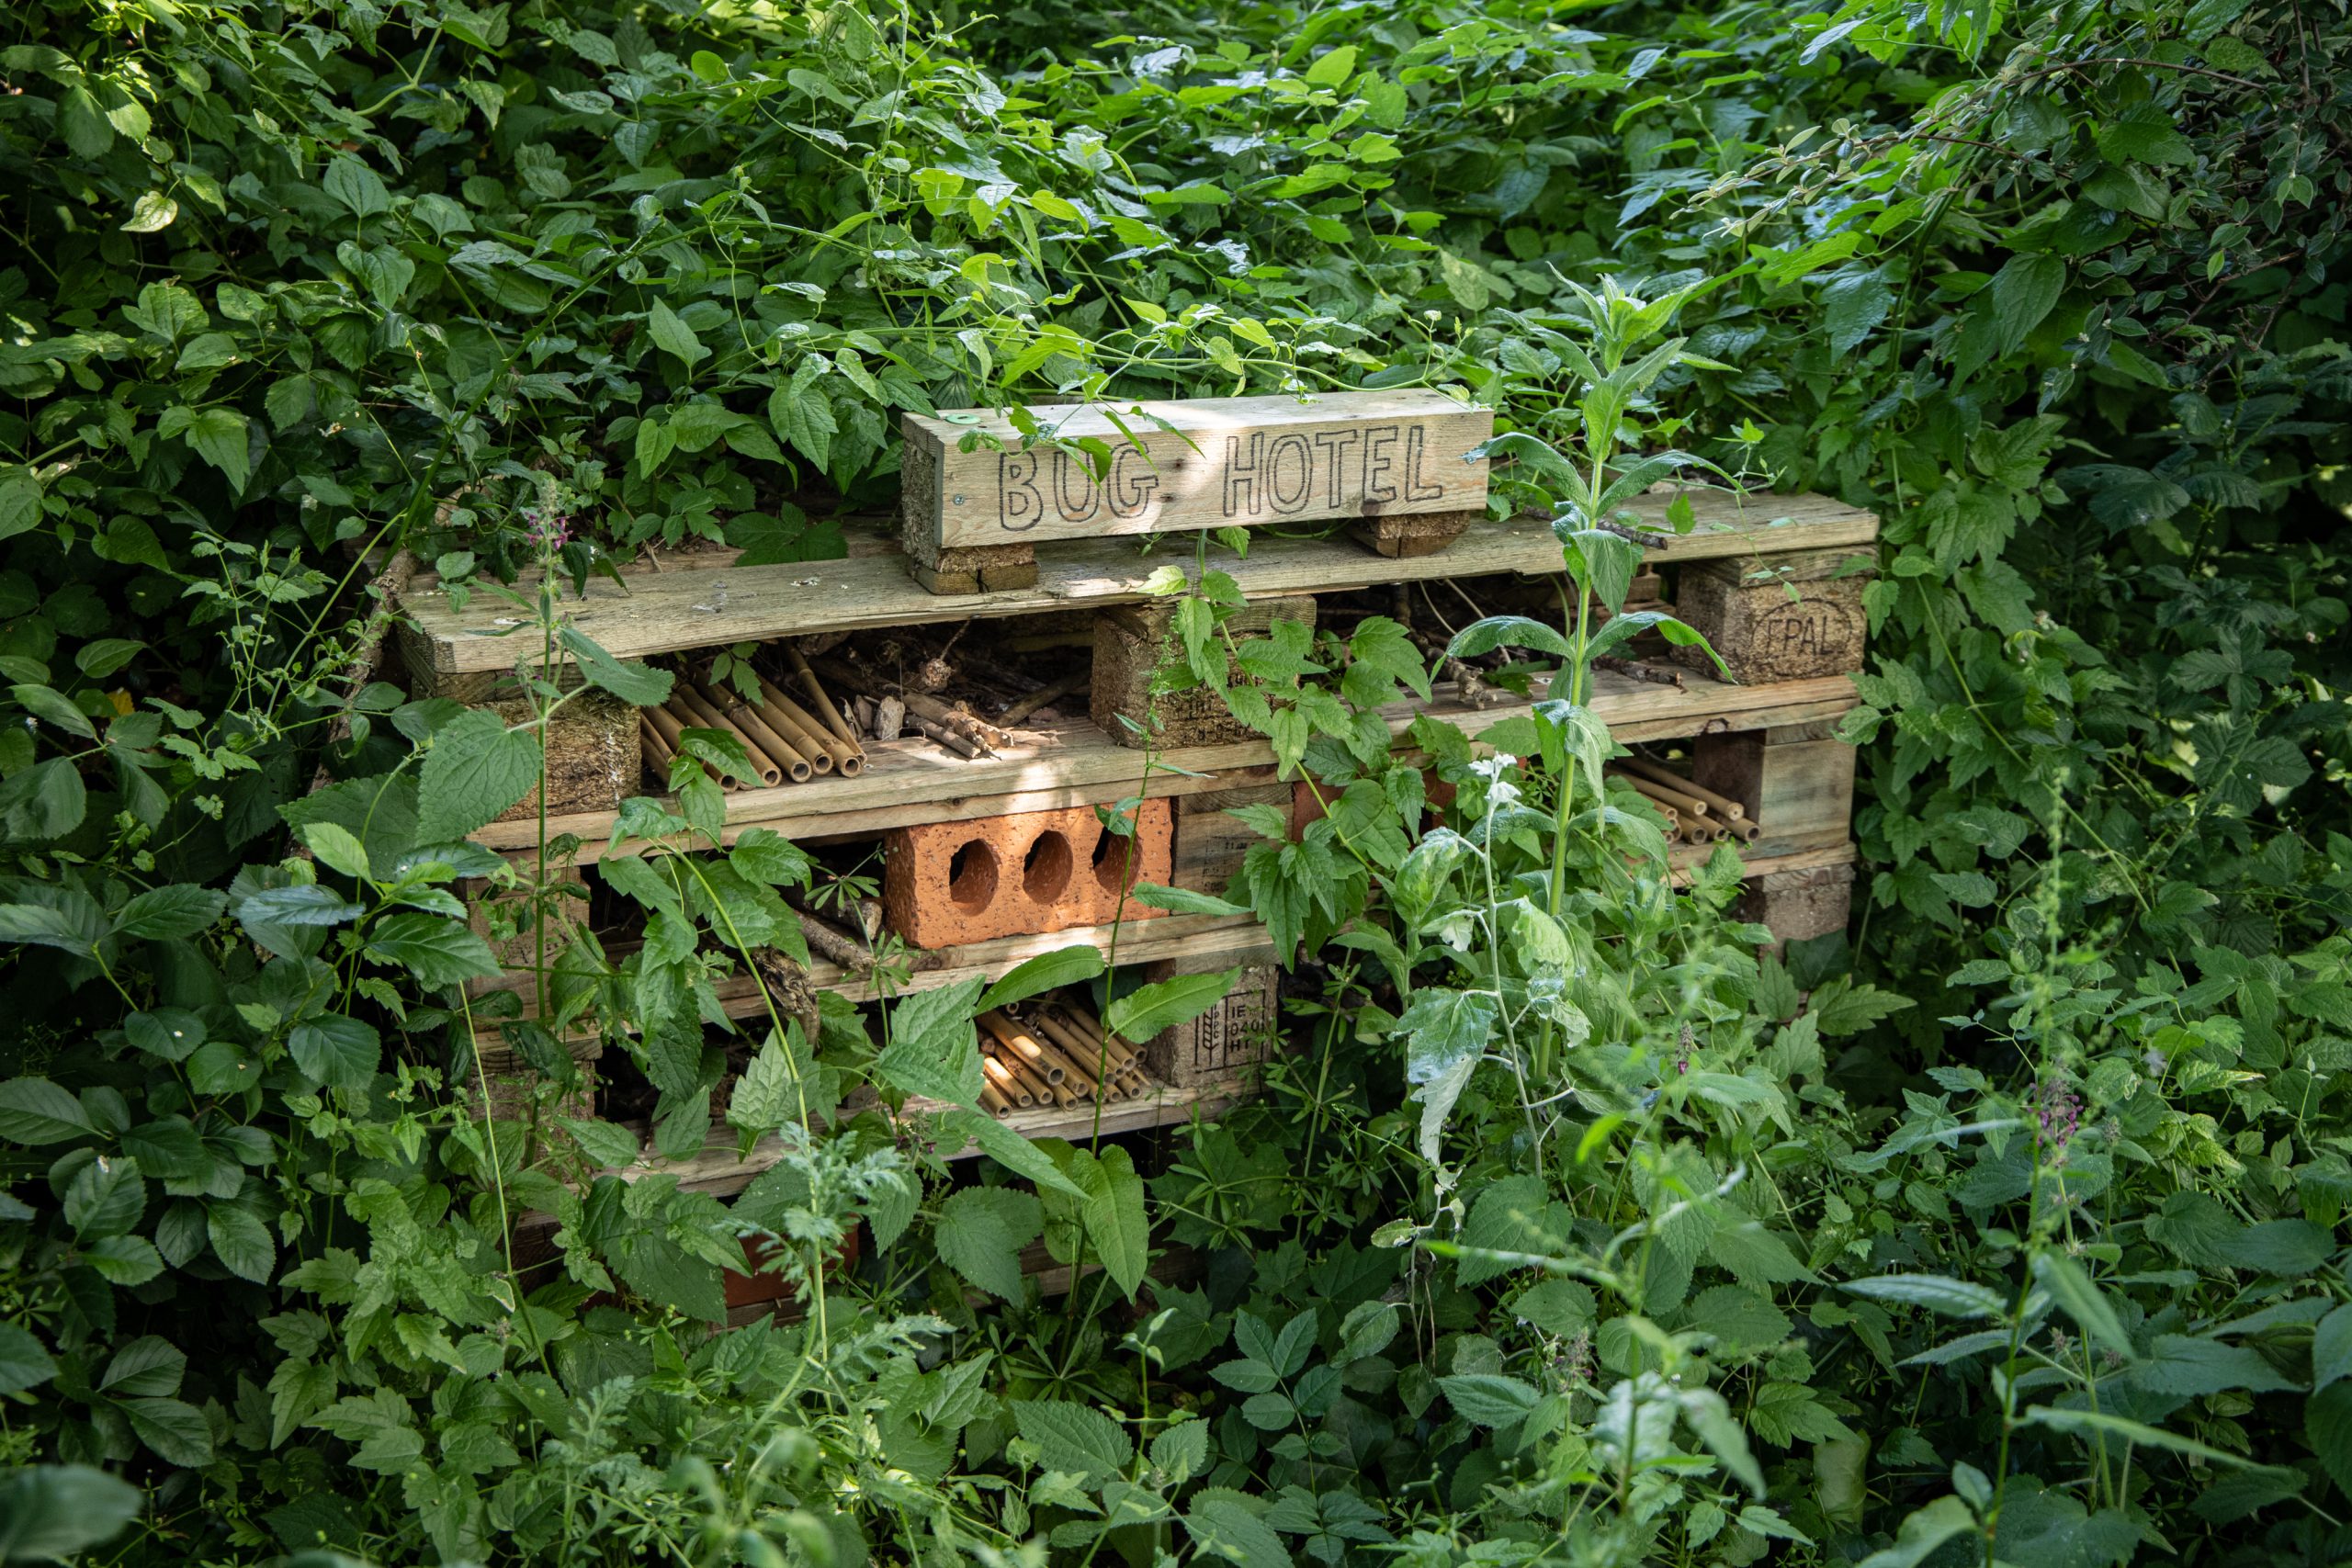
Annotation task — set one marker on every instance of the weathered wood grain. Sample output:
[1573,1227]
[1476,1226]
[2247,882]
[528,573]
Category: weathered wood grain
[1197,463]
[1073,763]
[660,612]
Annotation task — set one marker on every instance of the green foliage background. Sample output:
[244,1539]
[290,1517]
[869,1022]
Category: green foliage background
[2059,294]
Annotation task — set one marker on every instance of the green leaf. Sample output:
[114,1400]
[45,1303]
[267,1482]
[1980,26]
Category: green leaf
[1007,1147]
[106,1198]
[934,1051]
[240,1241]
[1853,304]
[436,950]
[801,413]
[1114,1214]
[476,769]
[2097,1424]
[356,186]
[1508,631]
[335,1050]
[51,1512]
[1225,1524]
[220,438]
[2073,1290]
[35,1110]
[150,1368]
[1923,1532]
[336,847]
[1145,1011]
[2331,1348]
[1489,1399]
[1046,972]
[2024,291]
[1954,1298]
[638,685]
[1070,1437]
[981,1234]
[56,707]
[674,336]
[23,1364]
[165,914]
[19,505]
[173,1429]
[2327,1422]
[1182,1450]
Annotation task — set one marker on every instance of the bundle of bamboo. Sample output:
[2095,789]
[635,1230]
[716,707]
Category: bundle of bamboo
[1694,814]
[1058,1056]
[783,739]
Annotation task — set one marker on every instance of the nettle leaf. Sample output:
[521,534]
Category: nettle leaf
[475,769]
[934,1051]
[1952,1298]
[638,685]
[980,1234]
[1114,1214]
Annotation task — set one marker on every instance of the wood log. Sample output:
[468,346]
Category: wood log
[963,745]
[1070,685]
[834,943]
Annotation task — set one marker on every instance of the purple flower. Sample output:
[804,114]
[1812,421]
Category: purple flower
[2058,1111]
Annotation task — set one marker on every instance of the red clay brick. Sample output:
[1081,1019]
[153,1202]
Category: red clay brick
[949,883]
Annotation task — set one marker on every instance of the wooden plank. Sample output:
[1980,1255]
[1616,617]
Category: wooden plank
[662,612]
[1197,463]
[1073,763]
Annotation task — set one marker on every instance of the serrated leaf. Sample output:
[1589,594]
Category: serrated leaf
[475,769]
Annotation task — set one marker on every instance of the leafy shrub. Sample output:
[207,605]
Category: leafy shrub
[1574,1224]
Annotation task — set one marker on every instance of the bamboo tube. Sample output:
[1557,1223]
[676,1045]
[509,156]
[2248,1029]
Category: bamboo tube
[1076,1046]
[1007,1084]
[692,715]
[1689,805]
[1122,1056]
[1032,1083]
[707,717]
[809,683]
[994,1103]
[1013,1038]
[1073,1070]
[760,726]
[657,751]
[665,723]
[1673,820]
[781,748]
[1717,805]
[843,754]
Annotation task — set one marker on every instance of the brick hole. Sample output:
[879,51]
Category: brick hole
[1045,870]
[1118,862]
[971,876]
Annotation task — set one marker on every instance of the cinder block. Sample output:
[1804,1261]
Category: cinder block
[1799,904]
[1226,1044]
[1131,642]
[1786,618]
[949,883]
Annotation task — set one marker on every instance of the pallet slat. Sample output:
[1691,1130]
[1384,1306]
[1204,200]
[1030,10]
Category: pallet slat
[1075,763]
[666,611]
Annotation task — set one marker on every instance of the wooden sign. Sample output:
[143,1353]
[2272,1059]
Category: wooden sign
[1375,458]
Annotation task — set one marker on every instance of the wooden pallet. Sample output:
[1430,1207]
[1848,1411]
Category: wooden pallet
[665,612]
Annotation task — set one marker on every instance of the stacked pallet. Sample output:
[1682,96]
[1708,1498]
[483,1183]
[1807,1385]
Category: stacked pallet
[991,824]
